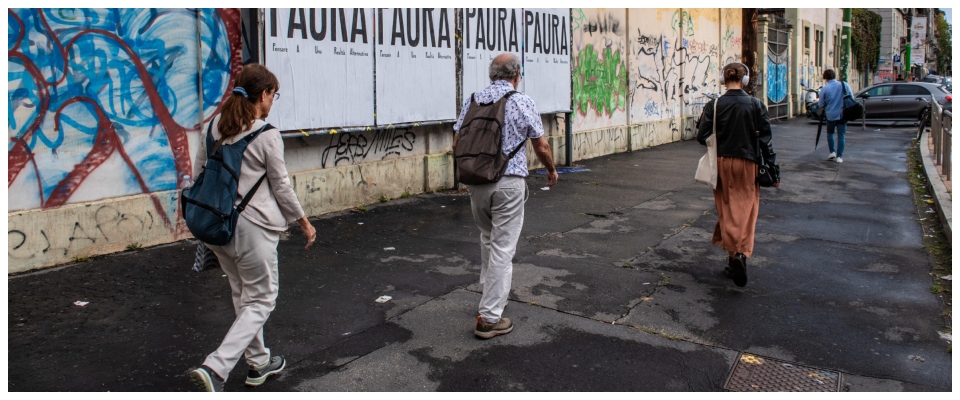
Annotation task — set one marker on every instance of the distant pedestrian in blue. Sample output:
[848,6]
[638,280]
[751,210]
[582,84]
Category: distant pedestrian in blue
[831,101]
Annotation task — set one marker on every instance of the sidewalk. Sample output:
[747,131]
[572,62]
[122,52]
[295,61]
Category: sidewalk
[616,287]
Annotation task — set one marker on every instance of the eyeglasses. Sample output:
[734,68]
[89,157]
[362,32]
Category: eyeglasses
[276,96]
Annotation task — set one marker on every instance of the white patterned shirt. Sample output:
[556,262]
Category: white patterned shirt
[521,121]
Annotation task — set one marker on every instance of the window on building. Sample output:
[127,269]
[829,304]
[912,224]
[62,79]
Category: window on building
[818,50]
[836,49]
[806,37]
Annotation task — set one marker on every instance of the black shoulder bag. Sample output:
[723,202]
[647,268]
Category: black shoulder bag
[768,173]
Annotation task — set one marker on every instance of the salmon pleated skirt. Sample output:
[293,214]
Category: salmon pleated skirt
[738,203]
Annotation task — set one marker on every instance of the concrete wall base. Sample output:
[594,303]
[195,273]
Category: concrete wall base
[44,238]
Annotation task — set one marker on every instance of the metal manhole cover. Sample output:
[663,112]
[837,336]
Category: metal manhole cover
[758,374]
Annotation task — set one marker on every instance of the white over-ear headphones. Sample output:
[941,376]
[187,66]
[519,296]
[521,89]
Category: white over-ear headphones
[746,77]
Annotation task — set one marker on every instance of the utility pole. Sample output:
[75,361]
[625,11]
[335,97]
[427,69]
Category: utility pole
[845,43]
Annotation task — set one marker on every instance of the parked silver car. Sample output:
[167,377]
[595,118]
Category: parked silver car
[902,101]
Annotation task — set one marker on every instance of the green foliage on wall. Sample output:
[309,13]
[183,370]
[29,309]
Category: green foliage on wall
[944,46]
[865,41]
[601,81]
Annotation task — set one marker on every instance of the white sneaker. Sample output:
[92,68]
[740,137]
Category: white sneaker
[832,155]
[839,160]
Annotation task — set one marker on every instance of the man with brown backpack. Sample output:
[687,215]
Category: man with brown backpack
[490,151]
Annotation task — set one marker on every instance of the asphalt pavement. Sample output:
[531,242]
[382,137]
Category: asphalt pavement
[616,287]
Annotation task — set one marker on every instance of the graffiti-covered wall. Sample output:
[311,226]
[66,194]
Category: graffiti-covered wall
[641,76]
[105,103]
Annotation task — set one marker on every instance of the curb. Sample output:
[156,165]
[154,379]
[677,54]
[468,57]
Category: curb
[941,198]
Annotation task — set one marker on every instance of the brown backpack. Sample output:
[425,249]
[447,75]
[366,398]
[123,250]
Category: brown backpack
[478,153]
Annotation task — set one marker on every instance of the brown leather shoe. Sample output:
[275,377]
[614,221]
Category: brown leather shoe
[487,331]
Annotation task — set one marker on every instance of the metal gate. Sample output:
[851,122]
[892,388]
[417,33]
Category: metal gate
[778,62]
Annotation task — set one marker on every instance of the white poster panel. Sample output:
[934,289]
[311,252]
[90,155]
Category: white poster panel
[323,58]
[416,65]
[487,33]
[918,40]
[546,61]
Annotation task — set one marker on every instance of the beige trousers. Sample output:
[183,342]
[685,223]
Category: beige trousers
[250,262]
[498,211]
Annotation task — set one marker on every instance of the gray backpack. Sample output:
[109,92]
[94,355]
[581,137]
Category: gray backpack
[479,155]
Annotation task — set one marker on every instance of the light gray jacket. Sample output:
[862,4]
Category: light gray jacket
[275,205]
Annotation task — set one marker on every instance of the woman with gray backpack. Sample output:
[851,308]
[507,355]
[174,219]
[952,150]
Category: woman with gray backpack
[237,153]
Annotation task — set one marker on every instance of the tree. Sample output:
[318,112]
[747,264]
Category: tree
[865,44]
[944,46]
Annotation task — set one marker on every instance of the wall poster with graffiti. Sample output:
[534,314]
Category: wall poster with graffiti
[416,65]
[101,101]
[546,61]
[323,58]
[701,64]
[599,68]
[655,64]
[488,32]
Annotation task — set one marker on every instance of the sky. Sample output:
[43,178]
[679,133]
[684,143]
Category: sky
[948,15]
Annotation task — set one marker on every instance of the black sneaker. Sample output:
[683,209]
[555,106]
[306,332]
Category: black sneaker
[738,269]
[256,377]
[206,380]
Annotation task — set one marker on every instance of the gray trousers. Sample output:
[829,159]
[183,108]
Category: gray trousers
[250,262]
[498,211]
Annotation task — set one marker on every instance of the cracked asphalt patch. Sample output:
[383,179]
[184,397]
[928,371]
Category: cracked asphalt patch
[547,351]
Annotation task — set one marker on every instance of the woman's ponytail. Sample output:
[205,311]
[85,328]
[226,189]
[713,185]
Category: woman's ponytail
[240,110]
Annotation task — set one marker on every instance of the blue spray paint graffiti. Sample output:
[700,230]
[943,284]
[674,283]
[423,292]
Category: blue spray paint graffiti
[777,78]
[86,85]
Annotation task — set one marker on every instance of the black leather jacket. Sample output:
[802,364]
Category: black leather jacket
[742,126]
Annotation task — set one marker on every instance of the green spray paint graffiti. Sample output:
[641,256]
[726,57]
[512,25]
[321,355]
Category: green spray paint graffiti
[682,20]
[600,81]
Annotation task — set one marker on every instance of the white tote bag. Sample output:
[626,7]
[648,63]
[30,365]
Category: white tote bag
[707,169]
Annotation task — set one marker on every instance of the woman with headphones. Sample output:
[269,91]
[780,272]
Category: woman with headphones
[743,133]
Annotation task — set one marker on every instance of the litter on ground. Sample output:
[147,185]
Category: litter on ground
[562,170]
[383,299]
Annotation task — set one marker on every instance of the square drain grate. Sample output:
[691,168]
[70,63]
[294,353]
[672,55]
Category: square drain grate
[758,374]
